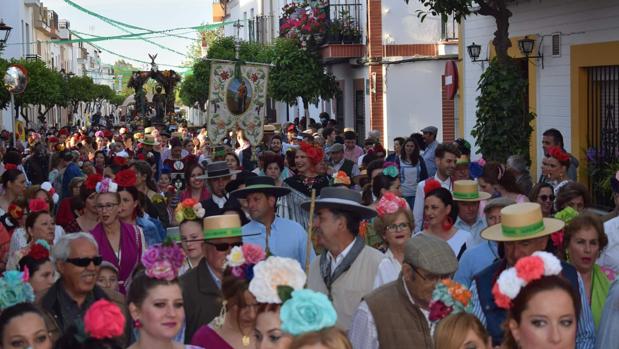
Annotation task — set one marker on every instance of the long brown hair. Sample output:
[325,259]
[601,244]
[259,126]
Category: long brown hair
[451,331]
[330,337]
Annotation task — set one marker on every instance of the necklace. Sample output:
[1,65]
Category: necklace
[245,340]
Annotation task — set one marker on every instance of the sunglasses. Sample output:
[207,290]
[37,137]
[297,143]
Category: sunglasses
[84,262]
[224,246]
[547,197]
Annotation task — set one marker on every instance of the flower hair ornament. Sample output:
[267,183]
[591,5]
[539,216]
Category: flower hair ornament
[307,311]
[39,250]
[38,205]
[275,279]
[389,203]
[9,166]
[15,289]
[125,178]
[559,154]
[449,297]
[391,171]
[189,209]
[430,184]
[11,218]
[526,270]
[104,320]
[242,259]
[315,154]
[92,180]
[341,178]
[106,186]
[163,261]
[47,186]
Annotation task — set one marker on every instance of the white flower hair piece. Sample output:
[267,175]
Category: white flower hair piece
[106,186]
[235,258]
[552,265]
[47,186]
[274,273]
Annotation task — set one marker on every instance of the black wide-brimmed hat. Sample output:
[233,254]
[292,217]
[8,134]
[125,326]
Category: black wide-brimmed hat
[260,184]
[217,169]
[343,199]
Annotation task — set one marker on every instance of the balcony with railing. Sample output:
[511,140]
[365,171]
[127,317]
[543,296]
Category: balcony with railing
[260,29]
[344,37]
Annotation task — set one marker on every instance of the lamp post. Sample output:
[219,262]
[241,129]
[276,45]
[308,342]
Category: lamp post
[474,51]
[5,31]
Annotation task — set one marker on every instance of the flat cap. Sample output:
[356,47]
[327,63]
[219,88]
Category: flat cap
[336,147]
[430,254]
[430,129]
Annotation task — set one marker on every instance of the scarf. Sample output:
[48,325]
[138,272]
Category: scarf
[599,290]
[328,276]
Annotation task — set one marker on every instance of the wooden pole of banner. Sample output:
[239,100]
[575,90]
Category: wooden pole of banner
[310,227]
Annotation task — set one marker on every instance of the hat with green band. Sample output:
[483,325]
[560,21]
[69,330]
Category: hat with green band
[467,190]
[222,227]
[522,222]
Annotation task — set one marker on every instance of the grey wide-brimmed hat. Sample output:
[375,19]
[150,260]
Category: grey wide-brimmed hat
[260,184]
[217,169]
[430,254]
[341,198]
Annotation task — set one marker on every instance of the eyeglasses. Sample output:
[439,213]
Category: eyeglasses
[547,197]
[84,262]
[224,246]
[105,207]
[397,227]
[431,277]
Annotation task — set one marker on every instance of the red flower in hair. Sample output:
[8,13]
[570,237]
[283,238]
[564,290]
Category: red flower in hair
[38,252]
[10,166]
[125,178]
[119,161]
[37,205]
[104,319]
[52,139]
[16,211]
[313,153]
[559,154]
[92,180]
[430,185]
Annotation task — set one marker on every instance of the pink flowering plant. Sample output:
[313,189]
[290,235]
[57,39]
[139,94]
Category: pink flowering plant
[163,261]
[526,270]
[242,259]
[305,22]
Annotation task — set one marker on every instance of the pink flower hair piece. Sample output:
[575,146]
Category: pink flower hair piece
[253,253]
[529,269]
[389,204]
[163,261]
[104,320]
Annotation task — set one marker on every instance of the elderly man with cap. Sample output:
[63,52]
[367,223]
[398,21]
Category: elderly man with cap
[429,138]
[481,256]
[467,196]
[523,231]
[339,163]
[278,236]
[218,175]
[202,284]
[396,314]
[346,270]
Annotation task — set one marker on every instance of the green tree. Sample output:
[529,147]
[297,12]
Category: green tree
[5,97]
[79,89]
[299,73]
[46,88]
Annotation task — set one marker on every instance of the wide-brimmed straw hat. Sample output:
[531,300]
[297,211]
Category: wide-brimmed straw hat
[522,222]
[341,198]
[149,140]
[217,169]
[222,227]
[260,184]
[467,190]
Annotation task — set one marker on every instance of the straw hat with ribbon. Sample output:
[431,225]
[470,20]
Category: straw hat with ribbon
[467,190]
[222,227]
[522,222]
[149,140]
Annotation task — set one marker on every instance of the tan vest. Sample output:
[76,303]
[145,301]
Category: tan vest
[399,323]
[348,290]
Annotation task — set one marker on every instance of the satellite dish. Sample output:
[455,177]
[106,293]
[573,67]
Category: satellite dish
[16,78]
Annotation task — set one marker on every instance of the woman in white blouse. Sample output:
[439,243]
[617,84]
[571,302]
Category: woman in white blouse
[394,223]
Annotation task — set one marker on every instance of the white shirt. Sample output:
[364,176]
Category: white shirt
[420,197]
[388,270]
[363,333]
[610,256]
[335,261]
[220,201]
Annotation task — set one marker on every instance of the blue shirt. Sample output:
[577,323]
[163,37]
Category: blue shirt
[475,229]
[475,260]
[70,172]
[287,239]
[428,157]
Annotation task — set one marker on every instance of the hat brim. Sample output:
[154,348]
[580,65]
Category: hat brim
[148,143]
[344,205]
[482,196]
[231,173]
[260,188]
[495,232]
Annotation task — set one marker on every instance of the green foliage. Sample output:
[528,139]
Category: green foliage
[503,126]
[5,97]
[459,9]
[298,73]
[79,89]
[46,88]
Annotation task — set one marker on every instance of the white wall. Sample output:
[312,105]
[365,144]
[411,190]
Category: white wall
[401,25]
[579,22]
[412,98]
[16,15]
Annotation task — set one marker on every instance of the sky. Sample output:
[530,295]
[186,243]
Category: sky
[149,14]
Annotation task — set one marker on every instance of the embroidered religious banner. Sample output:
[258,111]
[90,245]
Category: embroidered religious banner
[237,101]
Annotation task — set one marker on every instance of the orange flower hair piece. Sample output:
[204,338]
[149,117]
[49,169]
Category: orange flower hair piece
[315,154]
[341,178]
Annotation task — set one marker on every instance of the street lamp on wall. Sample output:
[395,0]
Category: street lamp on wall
[474,51]
[527,45]
[5,31]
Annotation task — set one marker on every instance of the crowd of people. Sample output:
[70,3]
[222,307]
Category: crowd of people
[159,237]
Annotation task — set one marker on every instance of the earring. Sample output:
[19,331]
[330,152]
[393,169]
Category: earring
[447,223]
[137,323]
[218,322]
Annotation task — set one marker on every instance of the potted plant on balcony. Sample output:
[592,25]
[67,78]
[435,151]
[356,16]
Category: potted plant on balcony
[349,30]
[335,32]
[305,23]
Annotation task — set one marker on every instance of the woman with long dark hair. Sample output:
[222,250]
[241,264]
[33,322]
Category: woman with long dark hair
[412,170]
[155,205]
[14,184]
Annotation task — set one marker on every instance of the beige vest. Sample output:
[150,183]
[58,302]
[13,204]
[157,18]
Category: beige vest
[348,290]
